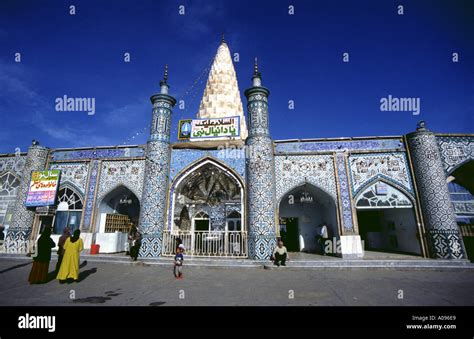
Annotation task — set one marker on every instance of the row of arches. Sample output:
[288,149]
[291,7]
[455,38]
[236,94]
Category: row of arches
[208,196]
[70,208]
[385,214]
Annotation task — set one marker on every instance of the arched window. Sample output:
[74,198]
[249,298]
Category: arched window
[382,195]
[201,222]
[9,184]
[71,198]
[69,211]
[234,222]
[201,215]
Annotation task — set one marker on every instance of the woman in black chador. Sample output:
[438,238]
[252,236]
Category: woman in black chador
[135,240]
[39,271]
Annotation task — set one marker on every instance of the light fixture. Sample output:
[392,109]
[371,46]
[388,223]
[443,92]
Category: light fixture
[125,200]
[306,198]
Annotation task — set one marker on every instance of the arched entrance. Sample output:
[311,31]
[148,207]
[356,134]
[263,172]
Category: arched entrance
[387,220]
[206,215]
[69,210]
[118,211]
[302,211]
[461,189]
[9,184]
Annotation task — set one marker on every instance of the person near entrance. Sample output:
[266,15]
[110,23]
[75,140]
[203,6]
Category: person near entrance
[135,241]
[70,266]
[178,262]
[322,237]
[179,241]
[39,271]
[62,239]
[280,254]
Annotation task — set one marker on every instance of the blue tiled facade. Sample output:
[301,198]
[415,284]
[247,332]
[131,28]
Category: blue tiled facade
[416,166]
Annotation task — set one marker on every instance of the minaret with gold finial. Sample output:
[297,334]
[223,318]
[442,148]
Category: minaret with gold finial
[157,167]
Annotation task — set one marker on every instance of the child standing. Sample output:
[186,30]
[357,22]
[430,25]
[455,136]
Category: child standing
[178,262]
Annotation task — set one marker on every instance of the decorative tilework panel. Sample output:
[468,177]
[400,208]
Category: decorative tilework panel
[438,211]
[393,167]
[129,173]
[333,146]
[155,190]
[74,173]
[258,116]
[14,164]
[447,244]
[91,190]
[126,152]
[182,158]
[151,245]
[346,203]
[22,219]
[291,171]
[455,150]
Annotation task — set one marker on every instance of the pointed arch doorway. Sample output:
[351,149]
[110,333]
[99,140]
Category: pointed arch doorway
[386,219]
[122,207]
[302,211]
[207,212]
[461,189]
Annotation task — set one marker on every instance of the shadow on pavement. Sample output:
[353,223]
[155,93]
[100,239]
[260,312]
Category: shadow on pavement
[15,267]
[84,274]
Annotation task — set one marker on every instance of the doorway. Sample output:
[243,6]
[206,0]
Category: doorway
[304,208]
[40,222]
[386,220]
[289,234]
[201,225]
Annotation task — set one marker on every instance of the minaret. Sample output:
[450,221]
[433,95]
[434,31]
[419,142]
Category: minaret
[260,169]
[438,212]
[19,232]
[157,167]
[221,96]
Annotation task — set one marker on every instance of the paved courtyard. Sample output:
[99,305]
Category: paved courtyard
[120,284]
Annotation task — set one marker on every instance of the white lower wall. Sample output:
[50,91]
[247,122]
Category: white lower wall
[111,242]
[351,247]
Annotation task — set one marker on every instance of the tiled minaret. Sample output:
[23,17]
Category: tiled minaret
[157,167]
[19,232]
[438,212]
[260,169]
[221,96]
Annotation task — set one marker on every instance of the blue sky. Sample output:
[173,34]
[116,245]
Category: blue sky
[300,58]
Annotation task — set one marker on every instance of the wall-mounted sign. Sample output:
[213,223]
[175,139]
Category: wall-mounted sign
[184,129]
[202,129]
[43,188]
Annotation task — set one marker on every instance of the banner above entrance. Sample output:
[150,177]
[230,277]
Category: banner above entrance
[205,129]
[43,188]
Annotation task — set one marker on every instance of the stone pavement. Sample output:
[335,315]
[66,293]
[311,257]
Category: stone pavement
[111,284]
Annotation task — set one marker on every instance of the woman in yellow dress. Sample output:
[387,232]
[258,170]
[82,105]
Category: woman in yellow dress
[70,264]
